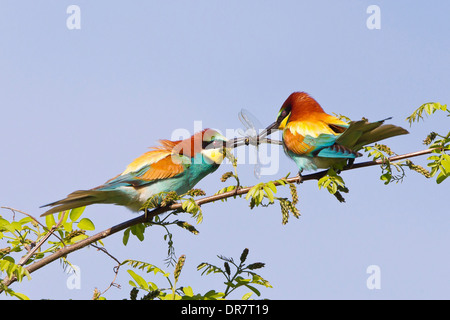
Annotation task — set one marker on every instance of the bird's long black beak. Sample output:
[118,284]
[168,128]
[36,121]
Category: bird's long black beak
[267,131]
[236,142]
[261,138]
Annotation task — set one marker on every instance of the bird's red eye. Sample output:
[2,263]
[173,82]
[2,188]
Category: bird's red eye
[283,114]
[218,143]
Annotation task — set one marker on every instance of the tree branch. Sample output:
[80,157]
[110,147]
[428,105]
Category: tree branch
[148,217]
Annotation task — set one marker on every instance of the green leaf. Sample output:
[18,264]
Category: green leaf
[131,283]
[76,213]
[201,265]
[139,280]
[272,186]
[213,295]
[79,238]
[253,289]
[257,279]
[441,177]
[126,236]
[86,224]
[252,191]
[152,286]
[446,163]
[50,221]
[247,296]
[429,108]
[434,158]
[386,177]
[25,220]
[6,225]
[260,196]
[138,230]
[67,226]
[16,226]
[64,218]
[188,291]
[184,205]
[18,295]
[269,193]
[171,296]
[3,222]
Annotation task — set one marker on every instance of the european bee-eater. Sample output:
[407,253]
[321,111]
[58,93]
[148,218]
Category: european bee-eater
[173,166]
[315,139]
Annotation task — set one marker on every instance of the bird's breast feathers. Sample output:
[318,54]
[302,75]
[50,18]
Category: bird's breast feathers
[296,143]
[318,130]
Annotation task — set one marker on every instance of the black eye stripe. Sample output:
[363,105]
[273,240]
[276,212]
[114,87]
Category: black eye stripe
[283,114]
[213,144]
[219,143]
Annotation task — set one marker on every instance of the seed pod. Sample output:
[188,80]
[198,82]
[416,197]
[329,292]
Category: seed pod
[227,268]
[179,266]
[284,210]
[244,255]
[256,265]
[226,175]
[294,193]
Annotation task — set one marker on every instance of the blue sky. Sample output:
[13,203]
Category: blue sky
[78,105]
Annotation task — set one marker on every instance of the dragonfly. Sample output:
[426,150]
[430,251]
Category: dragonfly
[251,137]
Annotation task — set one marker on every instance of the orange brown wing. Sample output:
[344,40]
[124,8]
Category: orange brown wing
[159,163]
[165,168]
[295,143]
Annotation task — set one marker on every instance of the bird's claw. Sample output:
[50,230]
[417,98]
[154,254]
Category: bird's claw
[147,215]
[300,177]
[350,163]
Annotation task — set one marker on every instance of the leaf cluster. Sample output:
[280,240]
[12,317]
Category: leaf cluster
[237,275]
[261,191]
[439,162]
[26,238]
[390,171]
[334,183]
[427,109]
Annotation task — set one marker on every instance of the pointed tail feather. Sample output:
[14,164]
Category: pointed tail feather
[362,132]
[76,199]
[356,129]
[378,134]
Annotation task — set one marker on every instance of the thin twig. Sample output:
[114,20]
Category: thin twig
[42,241]
[115,269]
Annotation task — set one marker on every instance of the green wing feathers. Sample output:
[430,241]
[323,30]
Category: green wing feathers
[362,132]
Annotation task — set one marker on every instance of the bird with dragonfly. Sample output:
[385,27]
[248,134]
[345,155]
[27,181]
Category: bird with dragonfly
[312,138]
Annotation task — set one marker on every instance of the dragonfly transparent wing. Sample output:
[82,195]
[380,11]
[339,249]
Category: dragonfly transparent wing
[252,125]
